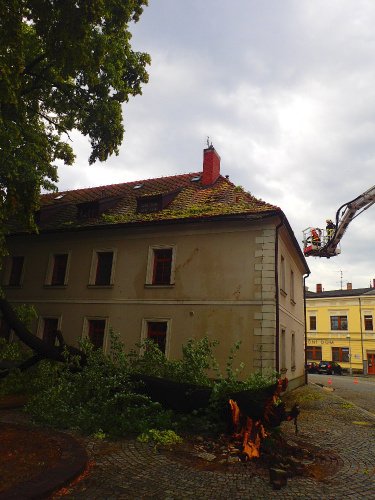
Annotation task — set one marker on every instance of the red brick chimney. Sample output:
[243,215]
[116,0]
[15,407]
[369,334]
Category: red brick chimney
[211,166]
[349,286]
[319,288]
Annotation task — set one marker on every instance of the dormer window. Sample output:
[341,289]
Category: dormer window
[155,202]
[149,204]
[88,210]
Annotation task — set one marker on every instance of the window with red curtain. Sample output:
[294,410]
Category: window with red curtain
[96,332]
[60,262]
[49,330]
[162,266]
[157,331]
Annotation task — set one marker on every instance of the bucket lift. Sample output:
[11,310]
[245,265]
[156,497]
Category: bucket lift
[316,241]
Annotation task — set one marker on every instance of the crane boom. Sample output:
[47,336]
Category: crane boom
[327,245]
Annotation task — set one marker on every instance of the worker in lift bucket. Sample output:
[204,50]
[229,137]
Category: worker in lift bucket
[330,228]
[315,236]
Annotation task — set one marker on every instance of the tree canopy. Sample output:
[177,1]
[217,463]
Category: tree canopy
[64,65]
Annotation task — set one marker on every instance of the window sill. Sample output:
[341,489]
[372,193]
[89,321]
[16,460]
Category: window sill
[100,286]
[293,369]
[283,292]
[150,285]
[54,286]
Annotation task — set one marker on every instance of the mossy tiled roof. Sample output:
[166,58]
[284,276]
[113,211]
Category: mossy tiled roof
[186,199]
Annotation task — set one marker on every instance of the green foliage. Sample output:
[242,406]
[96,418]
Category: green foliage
[98,398]
[63,66]
[197,360]
[164,437]
[27,314]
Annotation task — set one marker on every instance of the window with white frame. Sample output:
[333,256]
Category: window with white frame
[293,351]
[292,285]
[50,327]
[157,330]
[57,271]
[282,274]
[95,330]
[283,350]
[14,270]
[102,267]
[368,320]
[161,265]
[339,322]
[312,323]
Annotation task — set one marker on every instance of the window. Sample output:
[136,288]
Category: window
[339,322]
[340,354]
[16,271]
[312,322]
[293,351]
[368,322]
[162,267]
[88,210]
[314,353]
[282,274]
[291,285]
[161,261]
[157,331]
[59,268]
[102,268]
[149,204]
[96,331]
[156,202]
[283,350]
[50,326]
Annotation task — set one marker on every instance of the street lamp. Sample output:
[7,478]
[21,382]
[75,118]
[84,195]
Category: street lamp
[350,356]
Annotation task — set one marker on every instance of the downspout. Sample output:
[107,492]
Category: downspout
[364,368]
[277,337]
[304,314]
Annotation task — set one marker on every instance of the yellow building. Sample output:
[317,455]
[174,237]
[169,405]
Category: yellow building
[340,327]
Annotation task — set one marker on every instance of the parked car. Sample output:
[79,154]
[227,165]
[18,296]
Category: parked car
[329,367]
[312,367]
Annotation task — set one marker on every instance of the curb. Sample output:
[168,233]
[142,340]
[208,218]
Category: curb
[73,462]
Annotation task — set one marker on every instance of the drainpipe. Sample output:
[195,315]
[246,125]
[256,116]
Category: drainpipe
[277,339]
[304,314]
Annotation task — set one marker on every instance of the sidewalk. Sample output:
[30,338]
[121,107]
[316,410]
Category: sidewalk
[128,469]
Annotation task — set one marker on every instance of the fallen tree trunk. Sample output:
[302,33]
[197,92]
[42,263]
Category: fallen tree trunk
[42,349]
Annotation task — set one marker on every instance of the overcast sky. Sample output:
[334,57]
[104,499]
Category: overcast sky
[286,91]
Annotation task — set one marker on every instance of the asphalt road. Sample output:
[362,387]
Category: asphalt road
[357,390]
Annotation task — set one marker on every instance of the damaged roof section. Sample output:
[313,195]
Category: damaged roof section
[161,199]
[198,195]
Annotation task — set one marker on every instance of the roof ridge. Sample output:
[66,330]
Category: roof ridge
[129,183]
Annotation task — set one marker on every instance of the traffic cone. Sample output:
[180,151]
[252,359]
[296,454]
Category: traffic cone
[330,381]
[355,380]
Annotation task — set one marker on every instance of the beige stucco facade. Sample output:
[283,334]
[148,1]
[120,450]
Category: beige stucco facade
[234,280]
